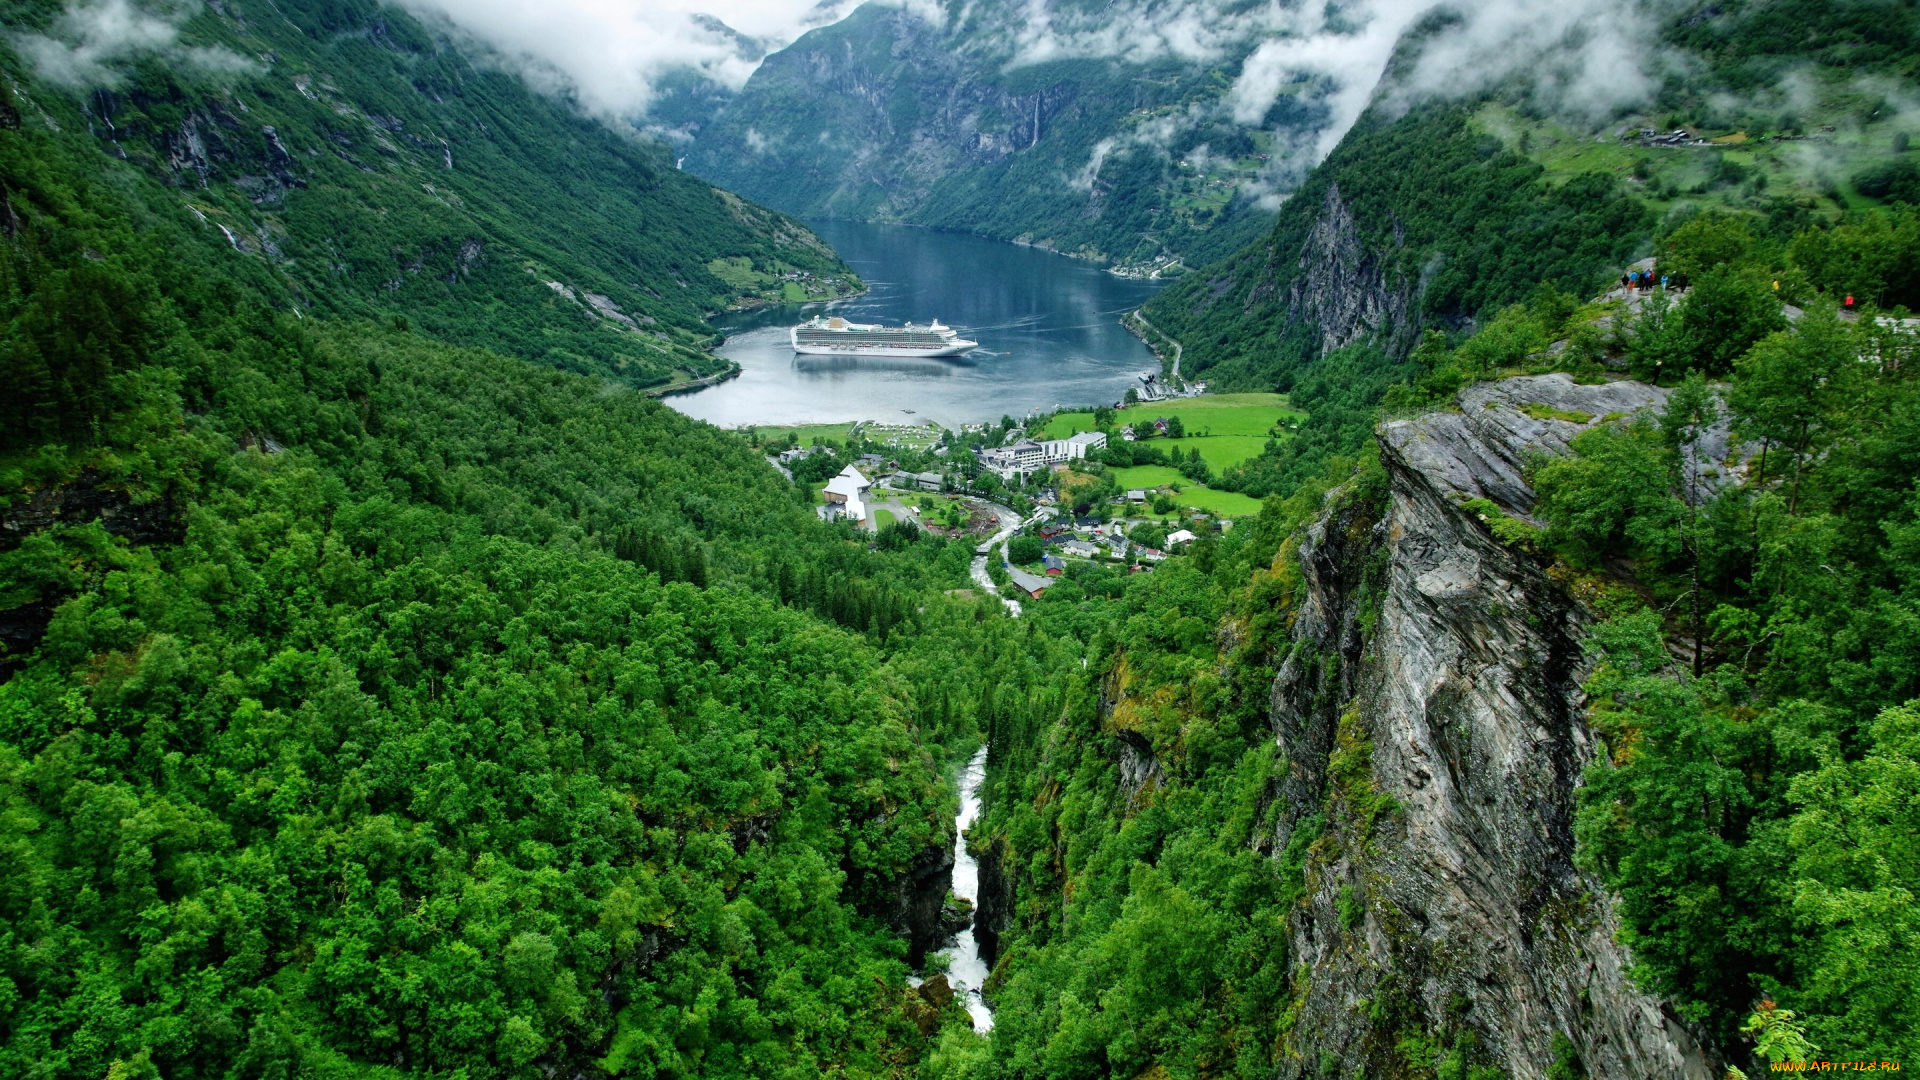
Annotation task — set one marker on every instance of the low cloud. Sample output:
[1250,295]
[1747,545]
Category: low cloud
[1140,31]
[90,39]
[611,53]
[1585,58]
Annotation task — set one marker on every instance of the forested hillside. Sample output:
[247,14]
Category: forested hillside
[1172,887]
[1438,217]
[889,115]
[373,168]
[373,705]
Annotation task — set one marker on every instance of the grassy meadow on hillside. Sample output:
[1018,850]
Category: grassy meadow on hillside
[1197,496]
[1214,414]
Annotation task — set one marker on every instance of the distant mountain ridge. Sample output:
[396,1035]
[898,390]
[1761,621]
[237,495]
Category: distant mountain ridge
[885,116]
[379,168]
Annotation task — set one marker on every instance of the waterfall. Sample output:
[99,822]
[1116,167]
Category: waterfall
[966,972]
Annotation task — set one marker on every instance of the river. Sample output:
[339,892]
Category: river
[1048,328]
[966,970]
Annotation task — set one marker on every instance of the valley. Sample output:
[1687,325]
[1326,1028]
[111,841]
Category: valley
[891,115]
[422,656]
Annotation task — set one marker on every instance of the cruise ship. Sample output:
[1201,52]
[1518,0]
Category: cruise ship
[836,336]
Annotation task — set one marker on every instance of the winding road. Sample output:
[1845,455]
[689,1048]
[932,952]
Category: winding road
[1177,349]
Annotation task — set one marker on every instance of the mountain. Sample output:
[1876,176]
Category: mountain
[961,123]
[378,703]
[1438,216]
[374,168]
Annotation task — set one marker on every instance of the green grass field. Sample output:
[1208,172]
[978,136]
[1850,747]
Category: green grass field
[915,436]
[1220,452]
[1215,414]
[882,518]
[1224,503]
[807,433]
[1149,476]
[1227,504]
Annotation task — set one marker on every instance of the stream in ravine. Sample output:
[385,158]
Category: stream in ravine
[966,971]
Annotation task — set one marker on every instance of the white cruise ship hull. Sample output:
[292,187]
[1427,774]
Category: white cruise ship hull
[959,347]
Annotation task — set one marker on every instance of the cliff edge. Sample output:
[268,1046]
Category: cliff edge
[1430,708]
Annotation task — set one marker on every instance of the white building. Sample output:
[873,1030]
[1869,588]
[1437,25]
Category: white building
[1074,447]
[1022,457]
[1179,536]
[848,494]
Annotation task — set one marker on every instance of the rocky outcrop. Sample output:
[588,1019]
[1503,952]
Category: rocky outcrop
[1482,450]
[1342,288]
[85,498]
[994,915]
[88,497]
[916,902]
[1431,712]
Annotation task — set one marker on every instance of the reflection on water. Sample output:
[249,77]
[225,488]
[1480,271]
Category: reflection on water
[822,365]
[1048,328]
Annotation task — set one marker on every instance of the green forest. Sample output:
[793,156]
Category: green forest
[378,704]
[374,170]
[390,687]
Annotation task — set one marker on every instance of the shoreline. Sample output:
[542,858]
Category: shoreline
[733,371]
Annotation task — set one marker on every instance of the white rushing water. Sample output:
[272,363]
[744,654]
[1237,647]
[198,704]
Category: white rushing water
[966,971]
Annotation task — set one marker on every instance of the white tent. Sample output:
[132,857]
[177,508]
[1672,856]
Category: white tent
[850,488]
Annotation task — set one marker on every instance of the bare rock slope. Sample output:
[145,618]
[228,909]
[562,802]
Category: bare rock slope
[1430,707]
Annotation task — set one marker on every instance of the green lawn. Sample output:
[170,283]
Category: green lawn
[1150,476]
[1227,429]
[1214,414]
[1222,503]
[1065,424]
[1229,504]
[1220,452]
[1218,414]
[836,432]
[884,518]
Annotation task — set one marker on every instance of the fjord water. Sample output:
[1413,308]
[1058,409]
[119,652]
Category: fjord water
[1048,328]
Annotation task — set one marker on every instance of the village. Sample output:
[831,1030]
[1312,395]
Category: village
[1061,496]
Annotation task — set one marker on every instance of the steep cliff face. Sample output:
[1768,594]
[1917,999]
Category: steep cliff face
[915,902]
[1413,220]
[887,116]
[1431,711]
[1344,289]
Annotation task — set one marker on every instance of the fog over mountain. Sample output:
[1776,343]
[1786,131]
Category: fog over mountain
[1149,135]
[612,53]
